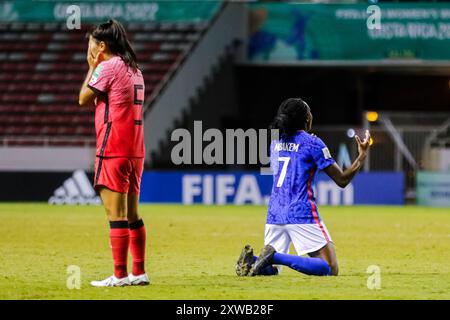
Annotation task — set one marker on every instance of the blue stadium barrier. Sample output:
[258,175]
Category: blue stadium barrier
[382,188]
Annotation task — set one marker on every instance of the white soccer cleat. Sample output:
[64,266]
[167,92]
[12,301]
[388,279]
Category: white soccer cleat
[111,282]
[140,280]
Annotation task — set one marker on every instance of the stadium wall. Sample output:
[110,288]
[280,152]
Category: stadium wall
[321,34]
[95,11]
[46,159]
[433,188]
[190,76]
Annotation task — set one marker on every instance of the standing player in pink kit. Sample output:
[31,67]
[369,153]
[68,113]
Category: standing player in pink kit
[115,86]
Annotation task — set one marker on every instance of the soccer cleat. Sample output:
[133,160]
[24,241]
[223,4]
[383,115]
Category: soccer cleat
[245,261]
[264,259]
[111,282]
[140,280]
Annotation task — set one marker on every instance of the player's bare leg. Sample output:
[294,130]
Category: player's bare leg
[115,204]
[328,253]
[137,242]
[116,208]
[132,208]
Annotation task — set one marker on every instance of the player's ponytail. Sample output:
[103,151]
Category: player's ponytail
[114,35]
[292,116]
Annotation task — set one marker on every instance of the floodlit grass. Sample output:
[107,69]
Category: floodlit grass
[192,251]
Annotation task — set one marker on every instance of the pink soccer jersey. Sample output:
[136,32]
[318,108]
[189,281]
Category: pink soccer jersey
[118,114]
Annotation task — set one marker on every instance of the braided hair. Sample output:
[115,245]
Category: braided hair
[292,115]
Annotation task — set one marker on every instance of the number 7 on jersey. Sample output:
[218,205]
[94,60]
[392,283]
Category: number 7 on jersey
[285,161]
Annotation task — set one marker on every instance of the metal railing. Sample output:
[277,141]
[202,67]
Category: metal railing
[46,141]
[388,149]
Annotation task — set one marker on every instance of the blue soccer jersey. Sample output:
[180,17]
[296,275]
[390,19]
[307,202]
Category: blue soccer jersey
[295,161]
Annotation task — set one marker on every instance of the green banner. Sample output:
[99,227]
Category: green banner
[291,32]
[433,189]
[91,11]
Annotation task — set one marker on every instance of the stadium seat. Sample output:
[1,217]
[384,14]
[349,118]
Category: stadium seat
[42,67]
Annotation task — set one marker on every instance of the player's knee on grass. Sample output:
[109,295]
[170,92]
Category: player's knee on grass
[333,264]
[334,268]
[329,256]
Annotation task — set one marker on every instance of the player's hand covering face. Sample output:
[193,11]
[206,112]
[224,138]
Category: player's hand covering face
[94,53]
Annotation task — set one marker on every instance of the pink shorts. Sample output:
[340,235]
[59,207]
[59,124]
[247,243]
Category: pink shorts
[119,174]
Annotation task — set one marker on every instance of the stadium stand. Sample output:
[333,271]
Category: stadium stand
[42,66]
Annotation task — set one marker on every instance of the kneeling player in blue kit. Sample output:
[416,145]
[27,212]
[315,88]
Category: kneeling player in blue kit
[292,215]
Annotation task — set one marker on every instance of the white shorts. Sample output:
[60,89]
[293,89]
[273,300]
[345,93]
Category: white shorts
[306,238]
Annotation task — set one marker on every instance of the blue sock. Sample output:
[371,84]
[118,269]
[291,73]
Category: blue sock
[309,266]
[268,270]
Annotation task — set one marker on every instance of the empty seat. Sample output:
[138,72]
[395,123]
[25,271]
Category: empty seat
[42,67]
[24,142]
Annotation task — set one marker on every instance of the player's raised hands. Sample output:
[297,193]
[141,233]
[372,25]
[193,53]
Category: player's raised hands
[363,145]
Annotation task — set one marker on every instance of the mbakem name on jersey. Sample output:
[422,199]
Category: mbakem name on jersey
[283,146]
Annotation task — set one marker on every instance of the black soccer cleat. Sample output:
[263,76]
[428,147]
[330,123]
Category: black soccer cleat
[264,259]
[245,261]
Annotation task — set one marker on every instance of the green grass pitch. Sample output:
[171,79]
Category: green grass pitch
[192,251]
